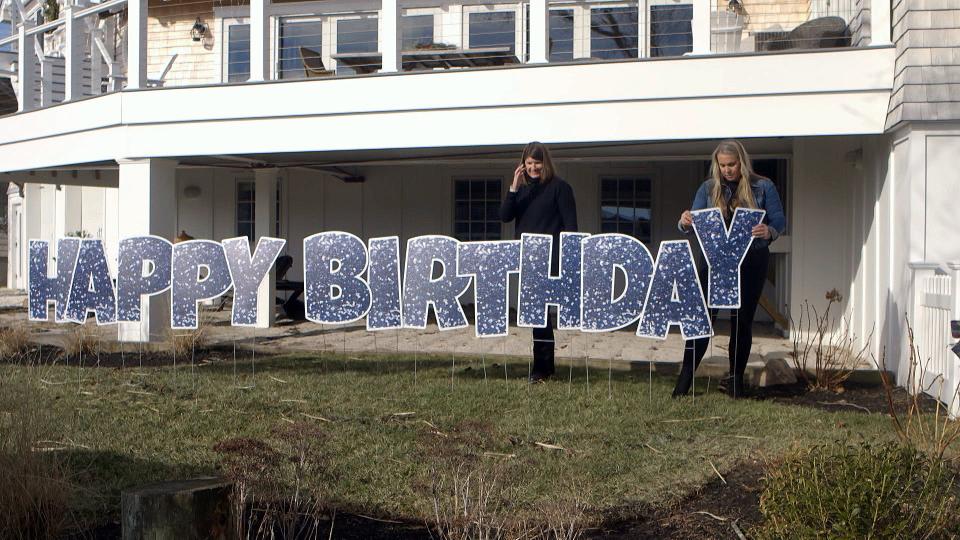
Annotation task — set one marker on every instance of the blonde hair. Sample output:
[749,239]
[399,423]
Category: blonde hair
[539,152]
[743,196]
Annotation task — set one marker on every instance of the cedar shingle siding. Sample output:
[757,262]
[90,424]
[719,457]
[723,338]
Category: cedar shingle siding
[926,84]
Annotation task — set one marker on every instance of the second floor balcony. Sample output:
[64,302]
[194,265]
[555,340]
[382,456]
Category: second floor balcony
[53,52]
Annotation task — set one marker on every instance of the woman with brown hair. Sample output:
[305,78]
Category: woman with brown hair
[540,202]
[733,184]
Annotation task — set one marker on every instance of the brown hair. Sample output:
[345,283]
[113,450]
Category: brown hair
[743,197]
[539,152]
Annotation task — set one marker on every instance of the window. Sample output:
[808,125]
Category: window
[356,36]
[246,206]
[625,206]
[238,52]
[416,31]
[671,31]
[561,35]
[5,31]
[246,209]
[493,29]
[300,48]
[614,32]
[476,208]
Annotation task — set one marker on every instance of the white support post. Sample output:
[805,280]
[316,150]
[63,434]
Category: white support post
[136,44]
[955,290]
[880,24]
[390,36]
[539,32]
[25,65]
[73,56]
[264,223]
[642,39]
[147,204]
[701,26]
[259,40]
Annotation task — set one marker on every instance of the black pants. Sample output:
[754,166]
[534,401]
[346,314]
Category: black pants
[753,274]
[543,347]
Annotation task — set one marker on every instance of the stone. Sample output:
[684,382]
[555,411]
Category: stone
[189,509]
[777,371]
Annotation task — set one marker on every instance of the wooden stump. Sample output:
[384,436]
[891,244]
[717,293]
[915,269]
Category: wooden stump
[182,510]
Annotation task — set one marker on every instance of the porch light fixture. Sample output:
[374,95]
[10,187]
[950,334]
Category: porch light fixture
[198,31]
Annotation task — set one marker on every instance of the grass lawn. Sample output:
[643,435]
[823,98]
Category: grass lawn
[612,443]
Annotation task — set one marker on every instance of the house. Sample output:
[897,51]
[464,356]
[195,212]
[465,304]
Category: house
[268,117]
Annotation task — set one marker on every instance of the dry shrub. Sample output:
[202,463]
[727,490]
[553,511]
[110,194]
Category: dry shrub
[829,342]
[933,432]
[36,489]
[81,340]
[184,343]
[14,343]
[277,490]
[565,519]
[469,502]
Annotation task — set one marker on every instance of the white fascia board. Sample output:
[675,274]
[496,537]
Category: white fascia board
[789,95]
[837,72]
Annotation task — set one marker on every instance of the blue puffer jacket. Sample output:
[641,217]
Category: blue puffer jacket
[767,198]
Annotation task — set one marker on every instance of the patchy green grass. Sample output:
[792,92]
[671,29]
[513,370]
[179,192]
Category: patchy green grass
[610,443]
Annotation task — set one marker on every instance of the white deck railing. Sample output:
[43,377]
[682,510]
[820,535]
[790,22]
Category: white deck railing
[89,51]
[936,302]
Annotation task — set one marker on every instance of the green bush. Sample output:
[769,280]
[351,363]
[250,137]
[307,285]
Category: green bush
[867,491]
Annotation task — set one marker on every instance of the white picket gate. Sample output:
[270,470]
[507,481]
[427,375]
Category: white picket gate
[936,303]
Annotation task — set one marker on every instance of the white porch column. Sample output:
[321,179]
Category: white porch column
[390,36]
[955,280]
[136,44]
[539,32]
[642,49]
[265,219]
[73,55]
[14,234]
[259,41]
[880,28]
[701,27]
[25,66]
[32,212]
[147,204]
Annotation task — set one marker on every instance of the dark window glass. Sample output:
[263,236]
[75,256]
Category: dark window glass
[238,53]
[613,32]
[356,36]
[561,35]
[476,214]
[416,31]
[300,47]
[5,31]
[494,29]
[625,203]
[671,31]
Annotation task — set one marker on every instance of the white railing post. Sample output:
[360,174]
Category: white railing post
[25,65]
[701,26]
[136,44]
[259,40]
[73,56]
[539,32]
[390,36]
[880,29]
[642,40]
[918,321]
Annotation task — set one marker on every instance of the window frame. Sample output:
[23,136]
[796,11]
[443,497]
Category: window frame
[453,206]
[519,24]
[639,173]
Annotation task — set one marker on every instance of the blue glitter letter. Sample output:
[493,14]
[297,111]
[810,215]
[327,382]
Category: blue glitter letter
[491,264]
[538,289]
[132,283]
[247,273]
[421,290]
[92,288]
[189,258]
[383,276]
[725,251]
[334,262]
[42,289]
[602,255]
[675,296]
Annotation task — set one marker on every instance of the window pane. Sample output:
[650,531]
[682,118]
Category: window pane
[462,211]
[561,35]
[495,29]
[671,32]
[462,190]
[245,229]
[245,191]
[416,31]
[244,212]
[493,190]
[613,32]
[5,32]
[625,206]
[477,208]
[300,43]
[493,211]
[238,52]
[356,36]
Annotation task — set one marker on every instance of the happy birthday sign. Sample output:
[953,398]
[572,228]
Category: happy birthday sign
[346,279]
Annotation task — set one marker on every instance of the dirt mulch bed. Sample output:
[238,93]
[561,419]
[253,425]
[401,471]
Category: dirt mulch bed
[864,398]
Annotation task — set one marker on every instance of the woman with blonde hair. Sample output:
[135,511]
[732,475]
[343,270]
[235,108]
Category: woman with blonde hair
[540,202]
[733,184]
